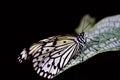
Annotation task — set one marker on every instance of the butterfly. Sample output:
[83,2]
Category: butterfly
[51,55]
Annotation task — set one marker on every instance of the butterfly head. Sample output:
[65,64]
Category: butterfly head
[23,56]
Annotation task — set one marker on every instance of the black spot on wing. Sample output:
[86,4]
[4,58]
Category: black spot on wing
[64,41]
[44,74]
[48,65]
[43,56]
[47,50]
[43,61]
[54,67]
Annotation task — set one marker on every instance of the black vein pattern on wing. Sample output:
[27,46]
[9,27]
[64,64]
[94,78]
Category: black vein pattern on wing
[59,68]
[70,48]
[69,55]
[59,61]
[62,49]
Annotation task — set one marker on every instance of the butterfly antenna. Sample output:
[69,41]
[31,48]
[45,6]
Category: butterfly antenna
[84,26]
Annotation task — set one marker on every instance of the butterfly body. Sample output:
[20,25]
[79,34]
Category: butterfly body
[50,55]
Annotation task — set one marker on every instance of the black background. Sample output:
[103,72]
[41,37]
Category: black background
[28,23]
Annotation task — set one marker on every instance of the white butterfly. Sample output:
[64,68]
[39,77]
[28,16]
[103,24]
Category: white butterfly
[50,55]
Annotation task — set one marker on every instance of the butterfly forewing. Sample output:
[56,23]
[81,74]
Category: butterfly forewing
[52,54]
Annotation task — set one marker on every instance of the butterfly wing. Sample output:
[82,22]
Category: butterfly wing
[54,53]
